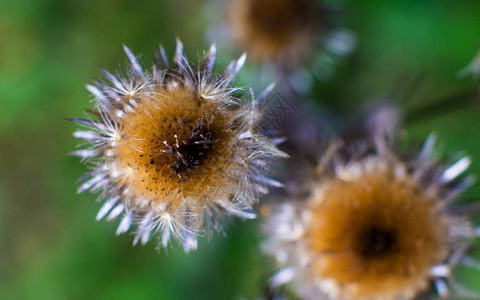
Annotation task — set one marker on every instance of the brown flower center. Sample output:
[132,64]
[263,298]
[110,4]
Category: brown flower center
[188,154]
[274,29]
[376,241]
[176,144]
[376,236]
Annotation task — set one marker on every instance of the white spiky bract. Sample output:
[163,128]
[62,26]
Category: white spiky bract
[288,226]
[123,96]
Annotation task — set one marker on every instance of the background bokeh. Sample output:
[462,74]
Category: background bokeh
[51,247]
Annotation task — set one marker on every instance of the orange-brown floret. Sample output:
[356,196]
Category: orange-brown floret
[177,146]
[376,236]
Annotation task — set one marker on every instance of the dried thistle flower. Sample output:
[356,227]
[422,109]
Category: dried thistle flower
[375,225]
[279,31]
[292,39]
[173,150]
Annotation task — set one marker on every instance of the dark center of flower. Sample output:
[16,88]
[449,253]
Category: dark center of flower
[272,16]
[376,241]
[188,153]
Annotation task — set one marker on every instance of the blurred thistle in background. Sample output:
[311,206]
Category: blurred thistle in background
[173,150]
[282,35]
[280,32]
[374,223]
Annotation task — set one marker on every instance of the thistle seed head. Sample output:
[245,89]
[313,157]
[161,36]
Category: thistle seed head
[376,224]
[278,31]
[173,150]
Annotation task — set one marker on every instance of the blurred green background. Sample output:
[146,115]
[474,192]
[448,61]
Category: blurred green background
[51,247]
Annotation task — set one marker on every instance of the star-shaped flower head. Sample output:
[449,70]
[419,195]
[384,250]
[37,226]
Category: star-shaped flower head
[295,37]
[173,150]
[376,224]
